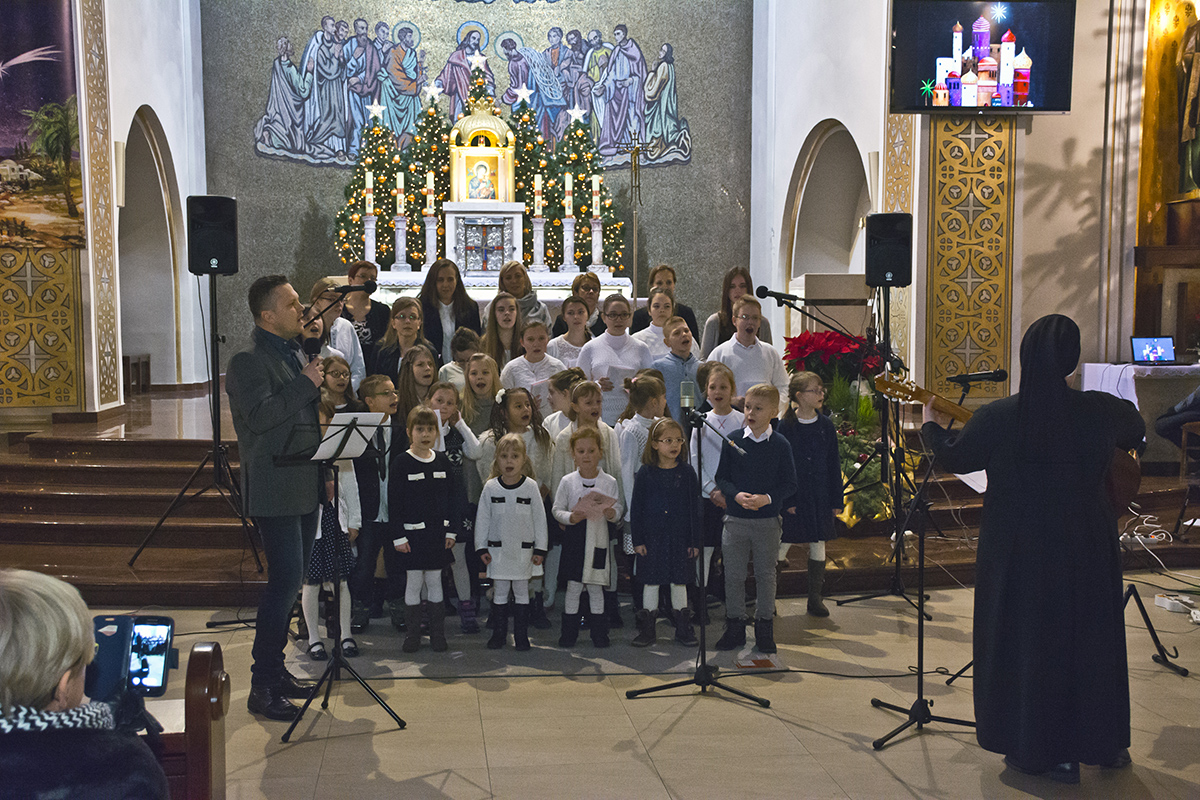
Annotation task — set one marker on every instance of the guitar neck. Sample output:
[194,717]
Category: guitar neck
[956,411]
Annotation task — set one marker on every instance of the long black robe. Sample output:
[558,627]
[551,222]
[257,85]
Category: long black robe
[1051,681]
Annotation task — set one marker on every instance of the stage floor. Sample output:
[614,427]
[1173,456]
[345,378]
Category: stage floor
[556,724]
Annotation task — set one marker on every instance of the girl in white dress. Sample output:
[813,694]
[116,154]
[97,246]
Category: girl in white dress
[661,305]
[511,537]
[566,348]
[561,384]
[613,356]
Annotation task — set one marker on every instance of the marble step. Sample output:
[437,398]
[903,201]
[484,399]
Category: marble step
[120,502]
[179,531]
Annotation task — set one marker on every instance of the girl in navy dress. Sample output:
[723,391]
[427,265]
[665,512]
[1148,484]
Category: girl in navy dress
[422,511]
[808,517]
[663,513]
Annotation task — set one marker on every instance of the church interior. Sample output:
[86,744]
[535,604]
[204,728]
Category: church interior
[603,138]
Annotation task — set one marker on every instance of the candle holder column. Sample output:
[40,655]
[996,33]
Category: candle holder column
[539,246]
[369,237]
[401,223]
[568,263]
[431,248]
[597,264]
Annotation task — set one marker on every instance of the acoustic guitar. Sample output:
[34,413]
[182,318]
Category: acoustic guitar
[1122,480]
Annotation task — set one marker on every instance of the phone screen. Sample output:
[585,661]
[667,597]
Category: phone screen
[148,655]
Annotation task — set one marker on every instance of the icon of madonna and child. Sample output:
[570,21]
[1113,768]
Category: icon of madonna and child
[481,186]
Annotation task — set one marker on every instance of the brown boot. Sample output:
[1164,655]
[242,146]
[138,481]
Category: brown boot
[644,619]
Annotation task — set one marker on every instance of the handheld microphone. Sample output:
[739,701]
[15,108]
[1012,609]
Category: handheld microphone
[972,377]
[763,293]
[369,287]
[311,347]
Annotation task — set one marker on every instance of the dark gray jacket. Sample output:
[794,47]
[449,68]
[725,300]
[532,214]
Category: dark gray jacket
[269,397]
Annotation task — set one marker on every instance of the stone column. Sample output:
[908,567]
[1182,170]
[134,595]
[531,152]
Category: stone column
[539,246]
[430,241]
[597,246]
[568,262]
[369,237]
[401,223]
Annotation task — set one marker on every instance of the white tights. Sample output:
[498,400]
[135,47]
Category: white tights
[428,579]
[575,591]
[650,596]
[816,551]
[309,595]
[520,591]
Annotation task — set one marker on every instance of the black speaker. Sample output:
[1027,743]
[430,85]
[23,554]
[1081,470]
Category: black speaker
[889,249]
[212,235]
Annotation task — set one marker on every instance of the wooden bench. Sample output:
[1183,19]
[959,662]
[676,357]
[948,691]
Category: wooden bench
[194,758]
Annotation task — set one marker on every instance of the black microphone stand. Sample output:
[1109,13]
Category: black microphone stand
[706,675]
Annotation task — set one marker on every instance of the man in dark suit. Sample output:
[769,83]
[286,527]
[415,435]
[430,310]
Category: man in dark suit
[273,395]
[663,277]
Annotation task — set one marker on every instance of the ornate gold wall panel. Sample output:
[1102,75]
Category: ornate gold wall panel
[41,362]
[969,295]
[897,198]
[96,136]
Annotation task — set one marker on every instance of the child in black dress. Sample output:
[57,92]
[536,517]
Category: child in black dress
[662,516]
[808,516]
[423,514]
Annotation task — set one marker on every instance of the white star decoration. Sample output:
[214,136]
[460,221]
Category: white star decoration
[432,92]
[524,94]
[376,110]
[477,61]
[577,115]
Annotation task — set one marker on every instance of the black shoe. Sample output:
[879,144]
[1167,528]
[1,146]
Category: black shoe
[684,633]
[734,636]
[537,613]
[644,620]
[570,630]
[499,635]
[360,618]
[291,686]
[1119,761]
[599,631]
[266,701]
[1066,772]
[764,636]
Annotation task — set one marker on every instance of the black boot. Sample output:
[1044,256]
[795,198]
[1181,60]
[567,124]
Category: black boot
[500,630]
[734,636]
[399,613]
[599,630]
[764,636]
[437,628]
[375,602]
[412,628]
[360,617]
[699,605]
[645,620]
[612,611]
[684,634]
[816,582]
[537,613]
[521,614]
[570,629]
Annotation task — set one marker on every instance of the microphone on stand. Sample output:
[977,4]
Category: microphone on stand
[687,406]
[763,293]
[369,287]
[972,377]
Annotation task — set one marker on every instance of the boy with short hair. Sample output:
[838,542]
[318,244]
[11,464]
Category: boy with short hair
[677,366]
[752,360]
[755,486]
[463,344]
[534,365]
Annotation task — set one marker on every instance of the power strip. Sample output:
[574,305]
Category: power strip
[1176,602]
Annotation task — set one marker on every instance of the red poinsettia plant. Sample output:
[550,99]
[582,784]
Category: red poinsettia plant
[830,353]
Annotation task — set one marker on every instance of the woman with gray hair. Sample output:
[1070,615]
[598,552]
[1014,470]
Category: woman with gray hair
[52,742]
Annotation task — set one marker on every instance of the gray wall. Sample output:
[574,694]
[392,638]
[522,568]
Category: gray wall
[694,216]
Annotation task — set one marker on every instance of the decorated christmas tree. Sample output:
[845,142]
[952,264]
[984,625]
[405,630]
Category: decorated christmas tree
[532,159]
[428,153]
[379,157]
[577,155]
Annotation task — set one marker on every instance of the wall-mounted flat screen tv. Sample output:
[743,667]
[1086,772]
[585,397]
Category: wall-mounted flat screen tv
[955,57]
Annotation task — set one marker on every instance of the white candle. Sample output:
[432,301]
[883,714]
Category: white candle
[595,195]
[429,193]
[400,183]
[370,192]
[537,195]
[568,200]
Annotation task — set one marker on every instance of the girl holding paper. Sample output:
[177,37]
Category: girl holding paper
[614,356]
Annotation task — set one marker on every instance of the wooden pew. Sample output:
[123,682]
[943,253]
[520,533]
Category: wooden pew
[194,759]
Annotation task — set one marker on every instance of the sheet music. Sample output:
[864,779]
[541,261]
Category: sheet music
[614,402]
[366,422]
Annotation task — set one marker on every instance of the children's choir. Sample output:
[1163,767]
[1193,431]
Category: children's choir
[505,468]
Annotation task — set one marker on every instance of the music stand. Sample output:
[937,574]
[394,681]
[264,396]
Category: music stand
[348,435]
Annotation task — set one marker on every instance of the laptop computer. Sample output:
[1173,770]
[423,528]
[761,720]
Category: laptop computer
[1153,350]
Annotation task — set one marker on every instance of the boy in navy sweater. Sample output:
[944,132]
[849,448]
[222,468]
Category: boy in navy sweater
[754,486]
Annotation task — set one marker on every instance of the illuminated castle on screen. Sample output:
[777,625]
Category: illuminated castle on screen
[985,74]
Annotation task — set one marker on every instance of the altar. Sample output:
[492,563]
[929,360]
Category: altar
[551,287]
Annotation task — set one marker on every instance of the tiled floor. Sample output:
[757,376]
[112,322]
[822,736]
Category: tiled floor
[487,724]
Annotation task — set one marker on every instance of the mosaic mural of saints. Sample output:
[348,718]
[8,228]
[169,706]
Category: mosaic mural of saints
[316,107]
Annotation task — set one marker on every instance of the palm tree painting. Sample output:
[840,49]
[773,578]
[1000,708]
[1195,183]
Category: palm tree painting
[54,130]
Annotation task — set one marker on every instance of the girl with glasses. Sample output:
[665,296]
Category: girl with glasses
[614,356]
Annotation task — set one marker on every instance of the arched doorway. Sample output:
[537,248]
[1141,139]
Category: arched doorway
[828,197]
[147,246]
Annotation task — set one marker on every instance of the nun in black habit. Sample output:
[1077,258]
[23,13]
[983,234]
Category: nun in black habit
[1051,682]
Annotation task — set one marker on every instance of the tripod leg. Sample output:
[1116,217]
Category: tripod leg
[632,693]
[959,674]
[1187,498]
[179,499]
[312,695]
[760,700]
[223,478]
[1162,656]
